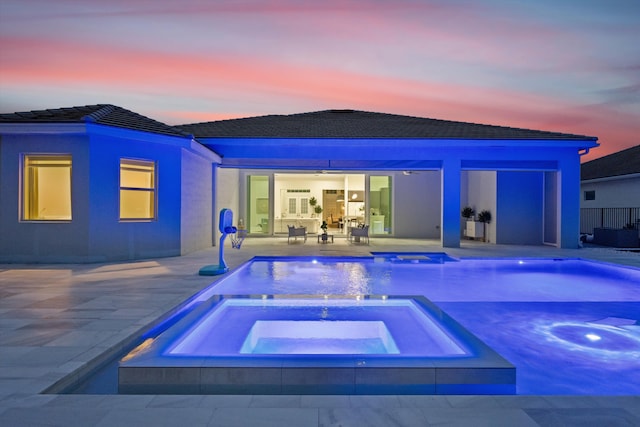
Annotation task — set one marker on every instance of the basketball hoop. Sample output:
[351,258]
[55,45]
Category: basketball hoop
[225,225]
[237,238]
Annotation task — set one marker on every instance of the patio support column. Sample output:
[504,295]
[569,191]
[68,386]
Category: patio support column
[450,219]
[569,212]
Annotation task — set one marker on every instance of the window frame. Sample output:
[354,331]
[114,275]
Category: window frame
[27,189]
[153,190]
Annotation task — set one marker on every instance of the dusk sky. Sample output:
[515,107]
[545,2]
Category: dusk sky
[561,65]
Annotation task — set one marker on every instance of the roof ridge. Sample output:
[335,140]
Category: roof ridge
[364,124]
[103,114]
[99,114]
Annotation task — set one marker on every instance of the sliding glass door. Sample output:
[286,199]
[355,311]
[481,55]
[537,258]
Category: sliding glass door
[380,205]
[258,206]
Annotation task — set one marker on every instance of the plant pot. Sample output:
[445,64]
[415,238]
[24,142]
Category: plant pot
[475,229]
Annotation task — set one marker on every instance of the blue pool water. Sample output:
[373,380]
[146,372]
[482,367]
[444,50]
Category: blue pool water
[569,326]
[316,326]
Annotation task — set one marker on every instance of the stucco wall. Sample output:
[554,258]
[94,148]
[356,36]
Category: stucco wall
[95,232]
[416,205]
[112,239]
[616,193]
[520,207]
[27,241]
[196,218]
[227,196]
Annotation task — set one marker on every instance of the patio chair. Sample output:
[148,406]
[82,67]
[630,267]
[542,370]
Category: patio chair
[358,234]
[296,232]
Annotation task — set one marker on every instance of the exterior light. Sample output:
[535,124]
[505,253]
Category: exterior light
[593,337]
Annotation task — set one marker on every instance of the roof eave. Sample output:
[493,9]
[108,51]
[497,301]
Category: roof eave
[610,178]
[43,128]
[580,143]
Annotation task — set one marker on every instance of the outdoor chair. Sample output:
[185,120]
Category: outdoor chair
[359,234]
[296,232]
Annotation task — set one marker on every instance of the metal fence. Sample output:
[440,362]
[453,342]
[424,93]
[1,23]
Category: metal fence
[591,218]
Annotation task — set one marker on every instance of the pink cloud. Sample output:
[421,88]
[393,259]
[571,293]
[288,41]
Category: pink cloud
[215,77]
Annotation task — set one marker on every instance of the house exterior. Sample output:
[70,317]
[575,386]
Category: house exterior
[610,191]
[128,187]
[101,183]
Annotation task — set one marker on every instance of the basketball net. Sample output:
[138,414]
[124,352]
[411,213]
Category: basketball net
[237,238]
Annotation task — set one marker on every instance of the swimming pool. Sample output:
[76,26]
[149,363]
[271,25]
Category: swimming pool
[579,317]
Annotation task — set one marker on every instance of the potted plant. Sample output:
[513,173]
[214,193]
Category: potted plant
[473,229]
[324,227]
[318,209]
[313,202]
[485,218]
[468,212]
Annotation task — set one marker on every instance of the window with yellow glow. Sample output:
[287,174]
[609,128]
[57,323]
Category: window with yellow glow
[46,188]
[137,189]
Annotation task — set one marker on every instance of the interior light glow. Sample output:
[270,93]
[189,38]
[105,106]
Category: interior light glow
[354,196]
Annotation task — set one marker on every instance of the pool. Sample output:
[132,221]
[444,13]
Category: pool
[309,345]
[582,318]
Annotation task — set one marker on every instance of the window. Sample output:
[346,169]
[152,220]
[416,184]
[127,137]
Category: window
[590,195]
[137,189]
[304,206]
[46,188]
[292,205]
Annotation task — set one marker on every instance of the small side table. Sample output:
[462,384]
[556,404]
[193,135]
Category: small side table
[329,236]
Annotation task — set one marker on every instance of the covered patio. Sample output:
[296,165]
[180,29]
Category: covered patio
[533,176]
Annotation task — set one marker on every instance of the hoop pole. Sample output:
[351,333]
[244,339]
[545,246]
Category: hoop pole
[223,265]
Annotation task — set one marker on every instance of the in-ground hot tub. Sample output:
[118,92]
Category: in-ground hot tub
[316,345]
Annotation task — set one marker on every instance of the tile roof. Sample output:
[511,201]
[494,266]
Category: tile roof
[625,162]
[362,124]
[104,114]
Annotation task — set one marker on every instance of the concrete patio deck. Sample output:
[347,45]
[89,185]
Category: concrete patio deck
[58,321]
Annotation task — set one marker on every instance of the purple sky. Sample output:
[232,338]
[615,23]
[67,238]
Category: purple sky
[561,65]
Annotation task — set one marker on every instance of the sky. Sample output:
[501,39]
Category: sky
[569,66]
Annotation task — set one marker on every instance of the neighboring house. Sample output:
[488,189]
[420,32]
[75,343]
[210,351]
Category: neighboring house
[610,191]
[101,183]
